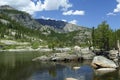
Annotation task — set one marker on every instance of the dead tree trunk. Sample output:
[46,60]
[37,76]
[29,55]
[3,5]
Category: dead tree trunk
[118,46]
[118,55]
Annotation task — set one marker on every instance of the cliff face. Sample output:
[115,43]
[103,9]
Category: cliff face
[60,26]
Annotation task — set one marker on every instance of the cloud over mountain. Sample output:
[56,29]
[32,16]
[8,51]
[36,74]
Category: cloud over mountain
[30,7]
[73,22]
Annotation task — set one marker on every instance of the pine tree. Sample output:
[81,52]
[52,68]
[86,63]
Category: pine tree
[102,36]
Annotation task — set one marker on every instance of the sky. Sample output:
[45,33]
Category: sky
[88,13]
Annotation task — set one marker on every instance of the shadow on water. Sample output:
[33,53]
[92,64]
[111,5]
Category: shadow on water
[14,66]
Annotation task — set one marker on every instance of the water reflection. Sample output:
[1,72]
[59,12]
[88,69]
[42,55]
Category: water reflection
[60,71]
[9,61]
[20,67]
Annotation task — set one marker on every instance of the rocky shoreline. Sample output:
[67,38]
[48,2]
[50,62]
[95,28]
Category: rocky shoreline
[100,63]
[77,54]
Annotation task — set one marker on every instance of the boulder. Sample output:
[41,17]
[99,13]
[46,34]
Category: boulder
[41,58]
[113,54]
[77,50]
[102,62]
[103,71]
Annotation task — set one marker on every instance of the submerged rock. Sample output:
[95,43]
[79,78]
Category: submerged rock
[76,68]
[71,79]
[102,62]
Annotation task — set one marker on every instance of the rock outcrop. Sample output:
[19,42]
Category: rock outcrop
[87,54]
[59,57]
[84,52]
[64,57]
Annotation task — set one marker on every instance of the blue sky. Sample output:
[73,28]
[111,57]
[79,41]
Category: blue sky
[87,13]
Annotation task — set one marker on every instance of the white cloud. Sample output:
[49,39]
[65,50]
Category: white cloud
[30,7]
[68,12]
[47,18]
[117,9]
[73,22]
[71,12]
[111,14]
[23,5]
[56,4]
[64,20]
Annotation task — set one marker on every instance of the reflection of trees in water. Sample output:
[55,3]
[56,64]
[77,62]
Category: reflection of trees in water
[24,70]
[15,66]
[52,71]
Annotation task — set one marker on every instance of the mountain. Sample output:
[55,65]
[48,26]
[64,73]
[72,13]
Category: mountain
[19,16]
[60,26]
[18,25]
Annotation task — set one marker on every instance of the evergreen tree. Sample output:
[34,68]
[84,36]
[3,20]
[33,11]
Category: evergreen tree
[102,36]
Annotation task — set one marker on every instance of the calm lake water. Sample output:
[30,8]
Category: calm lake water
[19,66]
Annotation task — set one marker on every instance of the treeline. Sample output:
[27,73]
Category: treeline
[103,37]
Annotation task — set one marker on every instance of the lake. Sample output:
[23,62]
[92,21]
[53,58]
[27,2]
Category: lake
[19,66]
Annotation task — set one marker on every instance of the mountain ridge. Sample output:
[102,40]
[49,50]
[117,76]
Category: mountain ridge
[20,25]
[61,26]
[41,24]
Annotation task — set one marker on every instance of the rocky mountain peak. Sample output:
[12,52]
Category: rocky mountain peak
[3,7]
[60,26]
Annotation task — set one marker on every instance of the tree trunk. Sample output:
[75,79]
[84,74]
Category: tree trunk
[118,46]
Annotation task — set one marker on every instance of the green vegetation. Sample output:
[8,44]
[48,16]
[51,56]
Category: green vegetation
[13,11]
[35,45]
[105,38]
